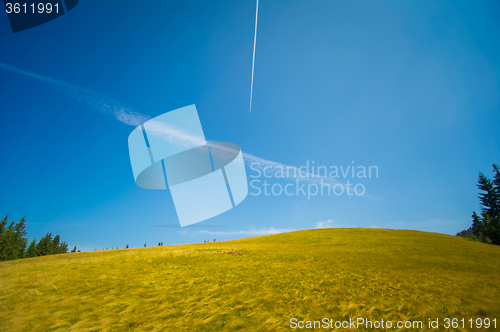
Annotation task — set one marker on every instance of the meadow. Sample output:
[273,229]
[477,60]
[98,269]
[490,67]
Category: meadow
[255,284]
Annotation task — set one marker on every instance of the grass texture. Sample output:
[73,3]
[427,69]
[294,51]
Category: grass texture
[255,284]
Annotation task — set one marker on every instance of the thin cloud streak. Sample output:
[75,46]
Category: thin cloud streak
[262,231]
[324,224]
[253,57]
[95,100]
[260,164]
[110,106]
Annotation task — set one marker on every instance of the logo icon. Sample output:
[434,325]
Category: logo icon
[205,179]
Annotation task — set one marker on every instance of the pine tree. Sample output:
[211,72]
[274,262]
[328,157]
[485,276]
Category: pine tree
[477,226]
[13,242]
[20,239]
[487,226]
[54,246]
[9,238]
[31,251]
[3,223]
[489,199]
[12,239]
[63,248]
[126,246]
[44,247]
[3,238]
[74,249]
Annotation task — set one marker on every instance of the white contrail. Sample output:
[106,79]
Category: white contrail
[95,100]
[109,105]
[253,58]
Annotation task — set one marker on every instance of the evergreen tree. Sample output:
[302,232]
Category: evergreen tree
[74,249]
[3,238]
[54,246]
[12,239]
[487,226]
[3,223]
[13,242]
[126,246]
[44,247]
[467,233]
[31,251]
[9,239]
[63,248]
[489,199]
[20,238]
[477,226]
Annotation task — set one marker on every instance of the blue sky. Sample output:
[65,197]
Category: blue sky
[410,87]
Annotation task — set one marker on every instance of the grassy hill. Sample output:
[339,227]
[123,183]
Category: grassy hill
[255,284]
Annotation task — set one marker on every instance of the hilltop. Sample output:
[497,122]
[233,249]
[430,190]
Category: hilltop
[255,284]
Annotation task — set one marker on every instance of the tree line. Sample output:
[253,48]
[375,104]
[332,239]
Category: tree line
[14,242]
[486,225]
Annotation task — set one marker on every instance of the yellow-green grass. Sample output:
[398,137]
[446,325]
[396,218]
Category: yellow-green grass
[255,284]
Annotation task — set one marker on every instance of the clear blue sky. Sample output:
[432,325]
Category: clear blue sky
[410,87]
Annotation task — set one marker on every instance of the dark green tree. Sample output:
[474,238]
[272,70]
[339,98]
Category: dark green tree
[54,246]
[32,251]
[12,239]
[44,246]
[3,238]
[486,226]
[21,240]
[13,242]
[7,250]
[63,247]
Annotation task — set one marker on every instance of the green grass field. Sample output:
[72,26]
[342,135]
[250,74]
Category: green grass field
[255,284]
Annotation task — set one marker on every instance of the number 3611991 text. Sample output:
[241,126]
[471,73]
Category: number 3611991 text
[31,8]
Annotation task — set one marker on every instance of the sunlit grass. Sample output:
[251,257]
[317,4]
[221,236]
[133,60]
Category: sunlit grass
[254,284]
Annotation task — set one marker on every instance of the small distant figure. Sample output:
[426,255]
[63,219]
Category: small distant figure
[144,245]
[214,240]
[205,241]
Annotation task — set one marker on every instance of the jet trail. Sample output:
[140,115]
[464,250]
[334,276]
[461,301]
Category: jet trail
[253,59]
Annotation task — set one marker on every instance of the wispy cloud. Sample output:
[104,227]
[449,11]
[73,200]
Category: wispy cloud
[324,224]
[173,134]
[262,231]
[274,169]
[93,99]
[110,106]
